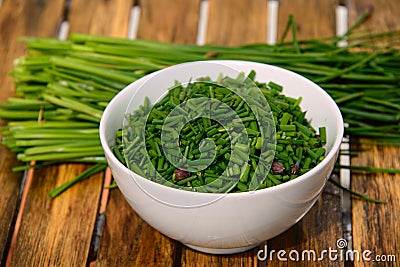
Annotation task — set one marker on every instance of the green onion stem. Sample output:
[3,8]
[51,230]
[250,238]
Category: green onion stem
[364,197]
[85,174]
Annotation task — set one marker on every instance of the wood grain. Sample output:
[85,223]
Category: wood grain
[375,227]
[10,184]
[322,225]
[237,22]
[384,16]
[17,18]
[127,240]
[318,230]
[195,258]
[169,21]
[67,223]
[57,232]
[20,18]
[102,17]
[110,18]
[232,22]
[313,18]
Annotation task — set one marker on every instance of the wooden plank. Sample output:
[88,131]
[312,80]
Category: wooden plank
[246,27]
[194,258]
[57,232]
[322,225]
[126,239]
[237,22]
[17,18]
[313,18]
[169,21]
[318,230]
[110,18]
[385,14]
[10,184]
[68,236]
[129,241]
[100,17]
[375,227]
[231,23]
[319,219]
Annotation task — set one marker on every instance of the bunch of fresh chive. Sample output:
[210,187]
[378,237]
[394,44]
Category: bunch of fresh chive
[230,163]
[62,87]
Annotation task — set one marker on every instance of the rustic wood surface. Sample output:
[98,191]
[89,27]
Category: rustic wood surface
[313,18]
[322,226]
[109,18]
[375,227]
[237,22]
[17,18]
[169,21]
[64,232]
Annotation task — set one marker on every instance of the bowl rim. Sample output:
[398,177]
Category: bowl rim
[328,157]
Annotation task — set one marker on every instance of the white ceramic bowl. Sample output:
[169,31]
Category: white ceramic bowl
[233,222]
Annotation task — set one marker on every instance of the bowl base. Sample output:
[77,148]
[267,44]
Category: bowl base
[221,250]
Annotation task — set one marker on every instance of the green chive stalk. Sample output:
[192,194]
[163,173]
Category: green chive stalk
[65,85]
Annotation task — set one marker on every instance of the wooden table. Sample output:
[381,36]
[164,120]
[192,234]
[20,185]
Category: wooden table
[67,231]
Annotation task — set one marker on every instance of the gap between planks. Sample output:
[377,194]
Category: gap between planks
[342,26]
[272,20]
[25,185]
